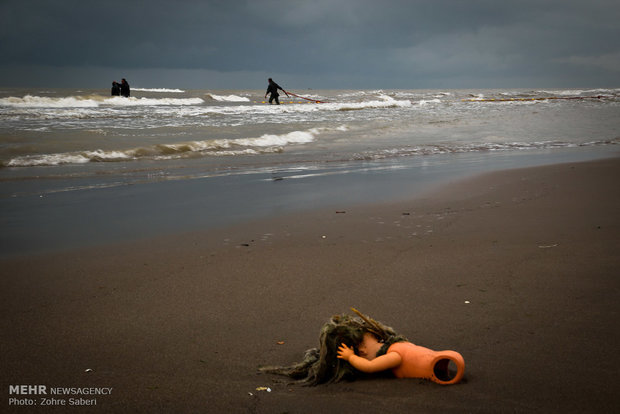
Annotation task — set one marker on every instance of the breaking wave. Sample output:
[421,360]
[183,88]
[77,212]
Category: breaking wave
[162,90]
[384,101]
[228,98]
[91,101]
[267,143]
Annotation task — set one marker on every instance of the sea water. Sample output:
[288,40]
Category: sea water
[80,166]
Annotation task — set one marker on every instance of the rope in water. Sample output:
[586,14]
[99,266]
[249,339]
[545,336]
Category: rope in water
[301,97]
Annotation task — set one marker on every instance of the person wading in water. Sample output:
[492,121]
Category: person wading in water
[272,89]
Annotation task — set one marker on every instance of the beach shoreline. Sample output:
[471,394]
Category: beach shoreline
[515,269]
[54,215]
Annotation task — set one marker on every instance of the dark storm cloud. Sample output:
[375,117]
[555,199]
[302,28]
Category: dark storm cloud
[423,43]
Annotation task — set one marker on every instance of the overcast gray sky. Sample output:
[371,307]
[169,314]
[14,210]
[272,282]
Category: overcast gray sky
[367,44]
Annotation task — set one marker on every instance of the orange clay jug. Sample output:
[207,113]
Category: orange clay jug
[442,367]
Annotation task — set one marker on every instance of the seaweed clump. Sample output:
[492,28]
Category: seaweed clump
[321,365]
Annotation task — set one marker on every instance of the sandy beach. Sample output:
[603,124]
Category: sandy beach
[516,270]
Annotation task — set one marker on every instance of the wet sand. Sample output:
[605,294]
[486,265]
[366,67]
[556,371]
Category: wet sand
[516,270]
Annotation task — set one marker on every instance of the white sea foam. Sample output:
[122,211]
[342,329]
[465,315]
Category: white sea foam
[69,158]
[91,101]
[216,147]
[163,90]
[30,101]
[384,101]
[228,98]
[153,102]
[579,92]
[429,101]
[267,140]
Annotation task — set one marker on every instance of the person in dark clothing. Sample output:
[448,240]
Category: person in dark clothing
[272,88]
[116,89]
[125,88]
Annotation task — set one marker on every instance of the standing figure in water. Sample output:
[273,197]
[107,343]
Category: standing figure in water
[116,89]
[272,88]
[125,88]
